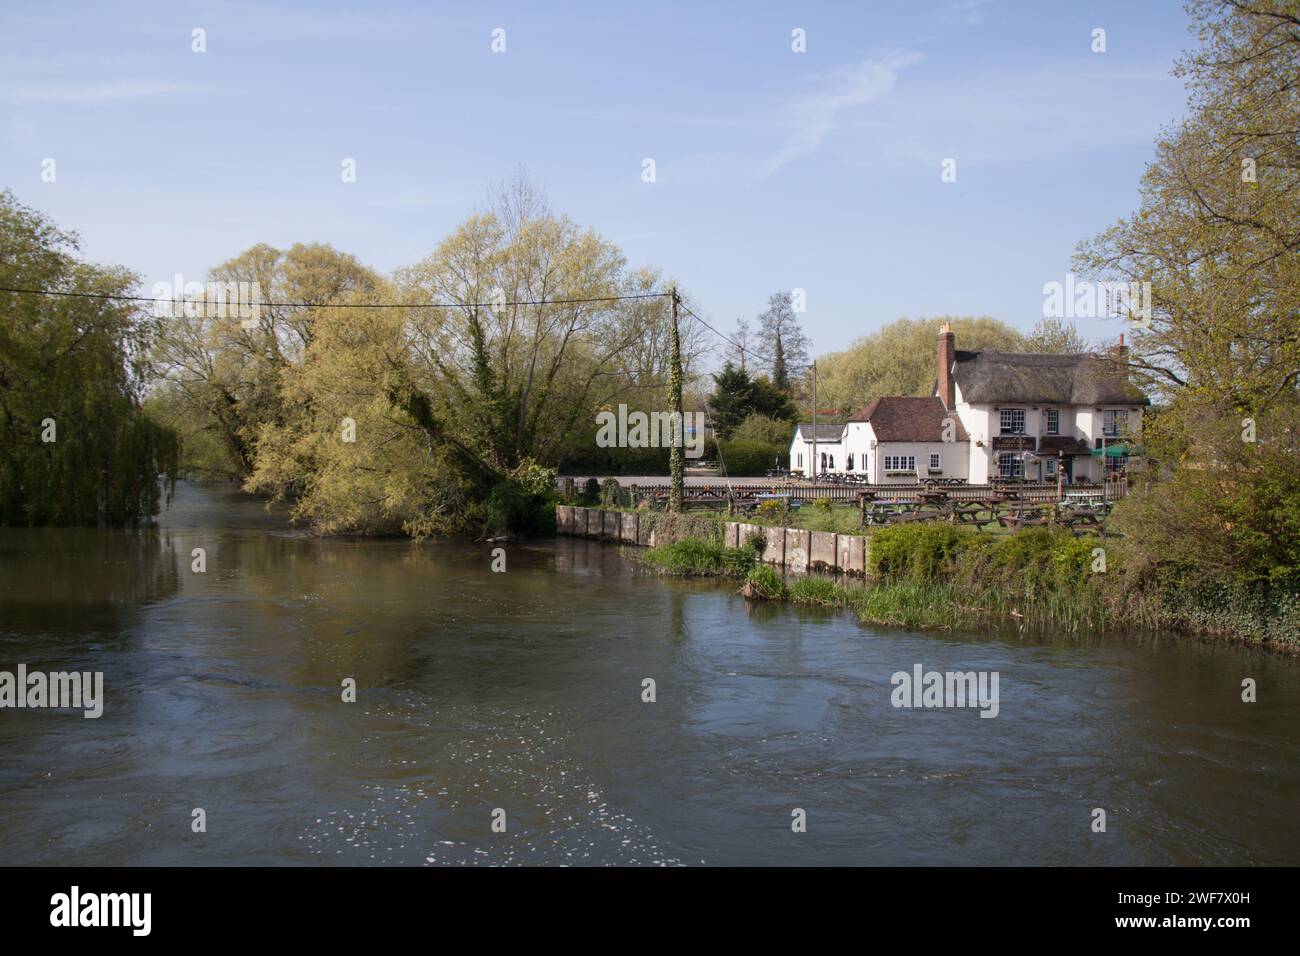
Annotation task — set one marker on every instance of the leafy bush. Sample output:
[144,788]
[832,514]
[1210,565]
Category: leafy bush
[609,493]
[922,552]
[765,584]
[765,429]
[535,479]
[771,509]
[751,457]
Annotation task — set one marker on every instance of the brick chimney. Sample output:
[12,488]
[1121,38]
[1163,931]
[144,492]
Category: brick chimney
[947,355]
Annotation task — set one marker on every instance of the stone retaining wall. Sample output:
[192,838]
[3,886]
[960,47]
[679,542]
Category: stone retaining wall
[794,549]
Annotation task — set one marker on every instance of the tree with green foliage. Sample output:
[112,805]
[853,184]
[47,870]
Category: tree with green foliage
[1217,236]
[222,381]
[1056,336]
[1216,231]
[427,419]
[76,447]
[899,359]
[736,396]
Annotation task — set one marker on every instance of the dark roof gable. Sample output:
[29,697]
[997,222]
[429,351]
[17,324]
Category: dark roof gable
[895,418]
[1078,378]
[825,432]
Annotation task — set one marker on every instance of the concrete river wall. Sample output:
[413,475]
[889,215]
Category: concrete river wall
[793,549]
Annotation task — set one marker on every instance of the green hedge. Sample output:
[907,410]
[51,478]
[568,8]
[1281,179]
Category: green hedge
[752,458]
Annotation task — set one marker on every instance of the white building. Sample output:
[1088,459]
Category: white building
[1028,413]
[892,441]
[993,414]
[829,449]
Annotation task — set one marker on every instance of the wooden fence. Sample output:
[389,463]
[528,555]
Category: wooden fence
[1112,490]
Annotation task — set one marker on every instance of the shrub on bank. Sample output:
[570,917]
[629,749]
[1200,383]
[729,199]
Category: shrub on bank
[668,527]
[921,552]
[699,558]
[940,576]
[763,583]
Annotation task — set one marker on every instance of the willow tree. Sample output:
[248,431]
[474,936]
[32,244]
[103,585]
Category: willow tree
[352,450]
[898,359]
[535,340]
[223,370]
[438,414]
[75,445]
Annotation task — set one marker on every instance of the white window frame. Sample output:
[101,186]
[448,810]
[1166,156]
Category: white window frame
[900,464]
[1017,469]
[1014,414]
[1113,422]
[936,461]
[1049,467]
[1053,421]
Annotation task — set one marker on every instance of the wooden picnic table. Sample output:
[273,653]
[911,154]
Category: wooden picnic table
[1083,517]
[1024,515]
[975,514]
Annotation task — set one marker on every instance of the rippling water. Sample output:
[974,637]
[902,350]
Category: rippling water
[522,691]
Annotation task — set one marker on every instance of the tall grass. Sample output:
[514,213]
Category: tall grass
[820,591]
[938,576]
[699,558]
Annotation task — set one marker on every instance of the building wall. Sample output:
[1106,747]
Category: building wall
[857,442]
[953,458]
[983,423]
[800,447]
[975,419]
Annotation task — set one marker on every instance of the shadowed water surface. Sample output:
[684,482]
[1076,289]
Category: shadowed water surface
[522,690]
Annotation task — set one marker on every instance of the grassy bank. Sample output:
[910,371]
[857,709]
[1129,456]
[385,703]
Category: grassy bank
[941,576]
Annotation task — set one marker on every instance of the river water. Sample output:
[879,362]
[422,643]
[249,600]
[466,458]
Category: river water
[522,691]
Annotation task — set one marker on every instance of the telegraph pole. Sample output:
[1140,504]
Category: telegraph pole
[676,460]
[813,469]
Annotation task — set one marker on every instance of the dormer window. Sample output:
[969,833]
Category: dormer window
[1013,421]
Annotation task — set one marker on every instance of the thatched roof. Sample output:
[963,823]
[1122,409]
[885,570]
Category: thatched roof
[1080,378]
[895,418]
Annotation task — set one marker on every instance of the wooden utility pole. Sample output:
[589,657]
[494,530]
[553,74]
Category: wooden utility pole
[813,469]
[676,460]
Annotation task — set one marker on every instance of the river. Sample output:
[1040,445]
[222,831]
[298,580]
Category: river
[522,691]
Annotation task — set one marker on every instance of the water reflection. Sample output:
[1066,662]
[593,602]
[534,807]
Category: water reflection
[522,690]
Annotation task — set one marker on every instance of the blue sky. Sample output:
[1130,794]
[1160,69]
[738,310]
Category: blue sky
[775,170]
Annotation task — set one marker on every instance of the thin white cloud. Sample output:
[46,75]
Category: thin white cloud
[969,12]
[817,115]
[97,92]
